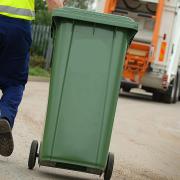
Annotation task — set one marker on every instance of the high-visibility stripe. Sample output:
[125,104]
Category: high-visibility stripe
[17,11]
[23,4]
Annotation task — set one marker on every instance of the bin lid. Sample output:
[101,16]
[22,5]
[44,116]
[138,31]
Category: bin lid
[100,18]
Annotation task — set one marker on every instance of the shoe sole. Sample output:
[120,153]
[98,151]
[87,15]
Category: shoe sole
[6,139]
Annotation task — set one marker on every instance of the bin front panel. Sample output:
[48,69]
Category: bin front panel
[88,60]
[81,110]
[62,42]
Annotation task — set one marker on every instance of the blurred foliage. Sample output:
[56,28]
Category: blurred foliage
[40,5]
[36,60]
[37,71]
[43,17]
[37,64]
[42,14]
[83,4]
[40,46]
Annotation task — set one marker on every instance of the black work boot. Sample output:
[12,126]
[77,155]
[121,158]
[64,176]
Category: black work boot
[6,138]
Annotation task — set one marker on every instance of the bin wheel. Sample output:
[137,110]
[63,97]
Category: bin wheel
[109,167]
[33,154]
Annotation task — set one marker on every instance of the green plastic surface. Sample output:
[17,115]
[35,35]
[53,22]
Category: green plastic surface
[88,58]
[89,16]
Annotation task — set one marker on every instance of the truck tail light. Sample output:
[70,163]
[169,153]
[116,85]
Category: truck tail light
[165,81]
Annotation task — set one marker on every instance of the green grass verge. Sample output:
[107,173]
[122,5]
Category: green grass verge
[38,71]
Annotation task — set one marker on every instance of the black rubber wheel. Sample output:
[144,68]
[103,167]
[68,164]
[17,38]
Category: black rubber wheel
[157,96]
[132,5]
[177,92]
[126,89]
[169,96]
[33,154]
[179,83]
[109,167]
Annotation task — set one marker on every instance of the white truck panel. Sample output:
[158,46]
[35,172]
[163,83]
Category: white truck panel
[145,29]
[167,22]
[170,25]
[100,5]
[153,80]
[175,45]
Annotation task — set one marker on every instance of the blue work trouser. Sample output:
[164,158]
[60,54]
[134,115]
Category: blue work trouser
[15,42]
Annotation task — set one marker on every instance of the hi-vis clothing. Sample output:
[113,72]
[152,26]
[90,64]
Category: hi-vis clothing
[15,42]
[21,9]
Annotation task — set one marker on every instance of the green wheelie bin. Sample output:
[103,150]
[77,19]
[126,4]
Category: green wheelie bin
[88,55]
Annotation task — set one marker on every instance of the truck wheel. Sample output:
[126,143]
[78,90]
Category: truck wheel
[157,96]
[109,167]
[177,92]
[169,96]
[126,89]
[33,154]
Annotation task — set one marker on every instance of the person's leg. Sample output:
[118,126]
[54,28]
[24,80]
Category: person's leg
[10,101]
[15,44]
[8,109]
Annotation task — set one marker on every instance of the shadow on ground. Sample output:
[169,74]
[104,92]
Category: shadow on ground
[137,96]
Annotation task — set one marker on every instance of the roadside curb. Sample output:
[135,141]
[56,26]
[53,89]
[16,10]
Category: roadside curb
[38,79]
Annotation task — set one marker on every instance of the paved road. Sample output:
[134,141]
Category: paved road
[146,140]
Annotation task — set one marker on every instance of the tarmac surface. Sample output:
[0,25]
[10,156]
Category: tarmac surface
[145,140]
